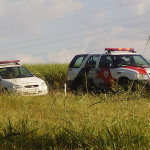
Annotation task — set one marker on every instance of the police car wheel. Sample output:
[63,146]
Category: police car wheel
[80,89]
[5,90]
[125,84]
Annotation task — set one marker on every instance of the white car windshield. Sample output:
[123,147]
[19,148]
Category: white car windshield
[14,72]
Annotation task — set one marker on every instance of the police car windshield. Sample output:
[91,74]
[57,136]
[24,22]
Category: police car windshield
[130,60]
[14,72]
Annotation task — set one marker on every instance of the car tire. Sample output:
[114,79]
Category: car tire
[5,91]
[80,89]
[125,84]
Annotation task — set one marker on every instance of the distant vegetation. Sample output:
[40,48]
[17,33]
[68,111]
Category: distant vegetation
[55,121]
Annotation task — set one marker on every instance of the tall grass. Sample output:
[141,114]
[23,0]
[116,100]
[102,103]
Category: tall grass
[55,121]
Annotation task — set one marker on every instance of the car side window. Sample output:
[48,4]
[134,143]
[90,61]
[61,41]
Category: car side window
[105,61]
[91,62]
[77,61]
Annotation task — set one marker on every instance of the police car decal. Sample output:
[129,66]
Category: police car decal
[138,69]
[105,74]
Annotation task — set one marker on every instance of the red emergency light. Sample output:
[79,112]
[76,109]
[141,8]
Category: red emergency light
[12,61]
[120,49]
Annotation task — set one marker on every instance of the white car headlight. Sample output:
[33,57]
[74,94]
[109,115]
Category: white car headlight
[43,84]
[17,86]
[142,76]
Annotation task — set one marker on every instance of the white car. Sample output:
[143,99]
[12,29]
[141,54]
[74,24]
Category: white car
[118,66]
[16,79]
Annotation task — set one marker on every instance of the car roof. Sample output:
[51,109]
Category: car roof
[120,53]
[8,65]
[113,53]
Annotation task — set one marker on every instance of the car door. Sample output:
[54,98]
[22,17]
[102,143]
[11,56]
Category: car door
[104,77]
[75,66]
[90,68]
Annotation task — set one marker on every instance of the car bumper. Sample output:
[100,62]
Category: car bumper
[30,92]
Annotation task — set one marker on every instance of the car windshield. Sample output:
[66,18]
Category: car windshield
[130,60]
[14,72]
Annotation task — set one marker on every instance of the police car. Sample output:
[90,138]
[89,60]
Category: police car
[117,66]
[15,78]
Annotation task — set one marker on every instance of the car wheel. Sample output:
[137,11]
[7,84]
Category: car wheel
[125,84]
[80,90]
[5,90]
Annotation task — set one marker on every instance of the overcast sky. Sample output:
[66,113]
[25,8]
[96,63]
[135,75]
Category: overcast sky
[54,31]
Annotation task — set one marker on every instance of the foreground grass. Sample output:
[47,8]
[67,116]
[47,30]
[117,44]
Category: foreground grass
[55,121]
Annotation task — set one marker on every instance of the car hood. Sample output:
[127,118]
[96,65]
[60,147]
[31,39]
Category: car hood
[25,81]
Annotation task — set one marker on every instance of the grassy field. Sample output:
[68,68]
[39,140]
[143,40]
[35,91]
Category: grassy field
[55,121]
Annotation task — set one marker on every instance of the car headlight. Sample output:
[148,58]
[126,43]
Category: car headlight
[43,84]
[17,86]
[142,76]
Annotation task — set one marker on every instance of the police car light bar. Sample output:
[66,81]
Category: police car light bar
[119,49]
[12,61]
